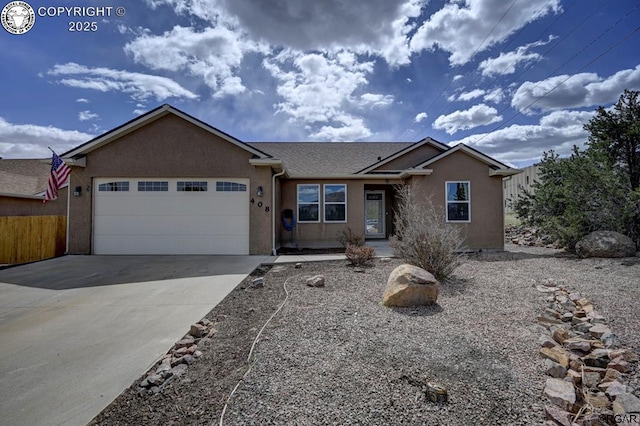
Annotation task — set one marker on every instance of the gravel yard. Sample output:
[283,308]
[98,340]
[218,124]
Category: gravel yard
[335,355]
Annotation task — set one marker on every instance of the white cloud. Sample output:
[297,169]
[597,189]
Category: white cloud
[475,19]
[420,116]
[32,140]
[506,63]
[86,115]
[467,96]
[213,55]
[477,115]
[319,88]
[575,91]
[559,130]
[353,129]
[82,100]
[376,100]
[457,77]
[495,96]
[139,86]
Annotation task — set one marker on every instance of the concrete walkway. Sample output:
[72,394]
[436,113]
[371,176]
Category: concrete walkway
[77,330]
[381,246]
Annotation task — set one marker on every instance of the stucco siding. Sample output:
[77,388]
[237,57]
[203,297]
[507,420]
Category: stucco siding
[15,206]
[486,229]
[169,147]
[411,158]
[324,234]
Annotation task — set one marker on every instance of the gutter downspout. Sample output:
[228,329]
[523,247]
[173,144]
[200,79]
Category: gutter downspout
[273,210]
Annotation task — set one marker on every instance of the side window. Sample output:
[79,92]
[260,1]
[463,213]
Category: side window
[458,202]
[335,203]
[308,203]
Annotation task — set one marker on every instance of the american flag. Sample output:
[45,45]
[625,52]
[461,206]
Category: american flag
[59,174]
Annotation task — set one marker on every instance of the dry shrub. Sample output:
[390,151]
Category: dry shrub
[359,255]
[423,237]
[348,237]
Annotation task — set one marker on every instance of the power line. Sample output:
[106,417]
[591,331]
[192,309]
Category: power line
[559,84]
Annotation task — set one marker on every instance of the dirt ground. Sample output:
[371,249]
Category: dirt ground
[484,326]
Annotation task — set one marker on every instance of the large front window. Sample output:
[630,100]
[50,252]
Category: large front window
[458,202]
[335,203]
[308,203]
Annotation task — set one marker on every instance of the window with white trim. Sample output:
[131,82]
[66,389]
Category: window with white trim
[458,201]
[114,187]
[192,186]
[308,203]
[153,186]
[222,186]
[335,203]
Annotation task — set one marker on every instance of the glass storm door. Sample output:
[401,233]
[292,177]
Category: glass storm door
[374,214]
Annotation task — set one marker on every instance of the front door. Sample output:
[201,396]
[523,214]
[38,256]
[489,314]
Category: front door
[374,214]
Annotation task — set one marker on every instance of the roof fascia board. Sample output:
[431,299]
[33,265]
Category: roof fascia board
[403,151]
[30,197]
[505,172]
[344,177]
[269,162]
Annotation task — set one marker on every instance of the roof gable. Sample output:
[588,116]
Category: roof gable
[147,118]
[403,152]
[469,151]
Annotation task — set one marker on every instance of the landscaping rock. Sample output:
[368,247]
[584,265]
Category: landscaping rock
[184,343]
[599,330]
[316,281]
[557,416]
[626,403]
[554,369]
[597,358]
[615,389]
[556,354]
[436,393]
[197,330]
[562,394]
[619,364]
[409,285]
[606,244]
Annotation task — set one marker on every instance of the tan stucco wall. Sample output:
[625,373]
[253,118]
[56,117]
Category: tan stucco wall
[486,230]
[324,234]
[411,158]
[13,206]
[169,147]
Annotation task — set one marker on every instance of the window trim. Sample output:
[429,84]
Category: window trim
[114,186]
[230,186]
[446,200]
[153,188]
[325,203]
[317,185]
[192,186]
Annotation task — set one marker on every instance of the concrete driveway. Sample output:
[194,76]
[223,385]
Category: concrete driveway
[77,330]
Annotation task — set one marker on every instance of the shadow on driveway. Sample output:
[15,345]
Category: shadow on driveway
[69,272]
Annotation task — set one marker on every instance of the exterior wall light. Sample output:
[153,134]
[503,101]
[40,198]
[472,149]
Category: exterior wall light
[260,192]
[78,191]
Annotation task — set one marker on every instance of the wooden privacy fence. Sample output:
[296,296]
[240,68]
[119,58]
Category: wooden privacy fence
[29,238]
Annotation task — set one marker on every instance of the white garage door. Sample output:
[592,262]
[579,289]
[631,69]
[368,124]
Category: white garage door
[171,216]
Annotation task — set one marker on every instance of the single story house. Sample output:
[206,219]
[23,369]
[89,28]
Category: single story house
[168,183]
[23,183]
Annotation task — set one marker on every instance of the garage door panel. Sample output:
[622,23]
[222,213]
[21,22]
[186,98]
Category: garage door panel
[179,244]
[171,222]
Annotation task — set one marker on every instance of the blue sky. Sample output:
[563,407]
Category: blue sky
[512,78]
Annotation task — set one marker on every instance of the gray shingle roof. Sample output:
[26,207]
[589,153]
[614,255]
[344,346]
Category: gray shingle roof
[321,159]
[23,177]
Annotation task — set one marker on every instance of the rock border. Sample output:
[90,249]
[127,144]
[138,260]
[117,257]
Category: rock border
[176,361]
[588,368]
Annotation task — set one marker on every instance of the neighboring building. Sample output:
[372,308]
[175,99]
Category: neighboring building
[22,187]
[167,183]
[516,184]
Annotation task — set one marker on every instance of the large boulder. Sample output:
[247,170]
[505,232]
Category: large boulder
[409,285]
[606,244]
